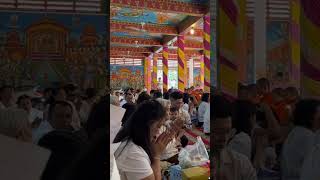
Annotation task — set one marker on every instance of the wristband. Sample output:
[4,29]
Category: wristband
[157,158]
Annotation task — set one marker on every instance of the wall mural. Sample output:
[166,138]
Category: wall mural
[173,78]
[122,77]
[196,77]
[278,53]
[39,49]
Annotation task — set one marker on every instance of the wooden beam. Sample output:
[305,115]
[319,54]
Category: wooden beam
[125,55]
[128,27]
[132,41]
[130,49]
[187,52]
[187,23]
[183,27]
[168,6]
[191,44]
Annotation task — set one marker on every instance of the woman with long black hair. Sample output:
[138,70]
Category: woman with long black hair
[138,156]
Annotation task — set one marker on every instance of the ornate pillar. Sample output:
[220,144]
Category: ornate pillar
[227,40]
[295,43]
[206,52]
[202,71]
[181,63]
[147,73]
[191,67]
[155,72]
[310,38]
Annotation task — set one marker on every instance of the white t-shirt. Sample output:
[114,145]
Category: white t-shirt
[132,161]
[35,113]
[123,102]
[206,122]
[311,166]
[203,107]
[241,143]
[185,107]
[296,148]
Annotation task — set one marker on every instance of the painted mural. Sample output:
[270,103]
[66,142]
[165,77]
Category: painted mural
[122,77]
[138,16]
[278,53]
[173,78]
[39,49]
[196,77]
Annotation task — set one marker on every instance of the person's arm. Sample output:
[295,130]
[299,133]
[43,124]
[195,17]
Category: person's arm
[273,125]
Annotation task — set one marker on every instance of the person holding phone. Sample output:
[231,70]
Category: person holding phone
[141,143]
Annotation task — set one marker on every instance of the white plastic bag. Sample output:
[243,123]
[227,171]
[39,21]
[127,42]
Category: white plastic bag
[194,155]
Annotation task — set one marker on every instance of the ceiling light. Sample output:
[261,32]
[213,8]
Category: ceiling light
[192,31]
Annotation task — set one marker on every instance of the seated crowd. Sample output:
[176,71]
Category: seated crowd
[70,123]
[261,134]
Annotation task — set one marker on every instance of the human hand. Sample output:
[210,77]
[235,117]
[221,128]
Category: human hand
[160,144]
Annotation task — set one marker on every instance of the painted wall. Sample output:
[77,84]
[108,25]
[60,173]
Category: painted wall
[39,49]
[196,77]
[122,77]
[278,54]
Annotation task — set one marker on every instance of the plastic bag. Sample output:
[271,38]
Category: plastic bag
[194,155]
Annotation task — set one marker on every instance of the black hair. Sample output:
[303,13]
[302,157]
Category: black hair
[137,128]
[55,92]
[91,92]
[243,111]
[184,141]
[70,88]
[152,91]
[176,95]
[55,103]
[22,97]
[174,109]
[157,94]
[186,98]
[205,97]
[166,95]
[143,97]
[304,112]
[46,90]
[222,107]
[65,146]
[98,117]
[263,81]
[127,91]
[130,108]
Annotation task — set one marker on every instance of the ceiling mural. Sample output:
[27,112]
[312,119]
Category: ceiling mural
[144,31]
[137,34]
[139,16]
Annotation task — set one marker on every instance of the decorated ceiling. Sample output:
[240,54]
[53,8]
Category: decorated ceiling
[137,32]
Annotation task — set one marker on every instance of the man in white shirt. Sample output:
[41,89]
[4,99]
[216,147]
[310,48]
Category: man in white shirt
[229,164]
[128,97]
[60,118]
[302,138]
[176,99]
